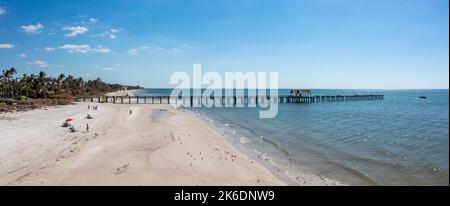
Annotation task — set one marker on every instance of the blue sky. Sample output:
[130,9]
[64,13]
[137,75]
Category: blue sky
[311,43]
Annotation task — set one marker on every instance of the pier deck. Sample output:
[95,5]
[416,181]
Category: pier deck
[227,99]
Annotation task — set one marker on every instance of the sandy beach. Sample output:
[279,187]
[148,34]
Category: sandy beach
[155,145]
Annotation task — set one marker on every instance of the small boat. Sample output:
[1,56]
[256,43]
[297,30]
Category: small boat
[422,97]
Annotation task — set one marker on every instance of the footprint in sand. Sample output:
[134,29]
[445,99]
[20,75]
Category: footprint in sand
[122,169]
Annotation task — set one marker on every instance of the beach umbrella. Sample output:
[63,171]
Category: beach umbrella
[69,119]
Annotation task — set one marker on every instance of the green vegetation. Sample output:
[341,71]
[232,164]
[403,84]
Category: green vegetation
[40,89]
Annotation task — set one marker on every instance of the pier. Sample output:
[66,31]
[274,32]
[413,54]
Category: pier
[228,99]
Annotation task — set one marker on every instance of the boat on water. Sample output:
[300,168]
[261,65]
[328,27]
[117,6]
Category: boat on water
[422,97]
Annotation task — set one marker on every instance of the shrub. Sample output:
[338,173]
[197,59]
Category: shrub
[22,98]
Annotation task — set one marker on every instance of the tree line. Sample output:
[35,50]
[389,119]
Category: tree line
[42,86]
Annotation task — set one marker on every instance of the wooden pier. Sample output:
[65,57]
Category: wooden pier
[226,99]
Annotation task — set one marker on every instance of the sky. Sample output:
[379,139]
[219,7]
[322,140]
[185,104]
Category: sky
[347,44]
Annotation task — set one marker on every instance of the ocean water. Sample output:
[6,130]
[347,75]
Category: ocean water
[401,140]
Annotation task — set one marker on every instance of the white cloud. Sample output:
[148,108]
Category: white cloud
[39,63]
[2,10]
[23,55]
[74,30]
[33,29]
[106,68]
[6,46]
[93,19]
[50,49]
[101,49]
[157,50]
[133,52]
[83,48]
[109,33]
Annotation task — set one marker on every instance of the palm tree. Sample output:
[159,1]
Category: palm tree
[60,79]
[42,84]
[6,82]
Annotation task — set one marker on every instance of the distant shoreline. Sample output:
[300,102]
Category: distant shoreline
[123,93]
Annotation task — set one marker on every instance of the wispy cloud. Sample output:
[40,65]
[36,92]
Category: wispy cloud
[93,20]
[111,33]
[2,10]
[101,49]
[22,55]
[157,50]
[106,69]
[7,46]
[83,48]
[33,29]
[133,52]
[50,49]
[39,63]
[74,30]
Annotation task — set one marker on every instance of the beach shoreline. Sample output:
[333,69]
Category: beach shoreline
[154,145]
[123,93]
[303,177]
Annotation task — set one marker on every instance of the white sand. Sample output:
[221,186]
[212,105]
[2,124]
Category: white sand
[120,149]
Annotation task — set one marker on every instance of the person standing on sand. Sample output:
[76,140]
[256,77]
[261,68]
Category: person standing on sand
[87,127]
[131,112]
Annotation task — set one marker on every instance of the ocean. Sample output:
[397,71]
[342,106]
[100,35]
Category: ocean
[401,140]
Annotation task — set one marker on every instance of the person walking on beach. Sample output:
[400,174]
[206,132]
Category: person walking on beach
[131,112]
[87,127]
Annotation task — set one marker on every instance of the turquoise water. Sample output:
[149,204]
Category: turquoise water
[401,140]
